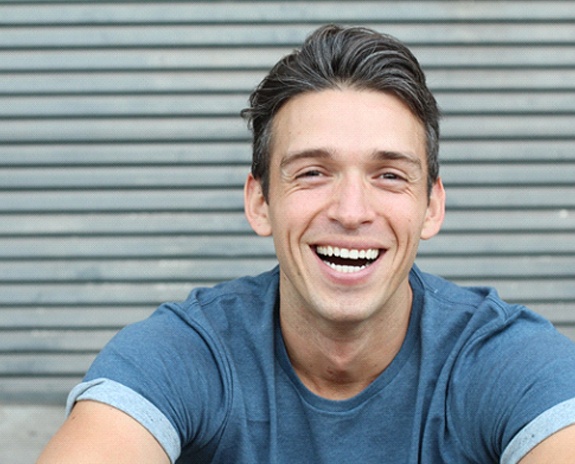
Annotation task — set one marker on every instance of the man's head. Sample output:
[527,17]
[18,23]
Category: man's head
[343,132]
[335,57]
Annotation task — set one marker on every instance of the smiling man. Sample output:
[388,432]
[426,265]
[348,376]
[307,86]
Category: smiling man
[346,352]
[348,204]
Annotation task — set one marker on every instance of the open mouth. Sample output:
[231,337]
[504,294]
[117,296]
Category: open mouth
[347,260]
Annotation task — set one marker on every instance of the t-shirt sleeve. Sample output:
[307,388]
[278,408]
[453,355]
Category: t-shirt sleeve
[166,372]
[135,405]
[542,427]
[516,387]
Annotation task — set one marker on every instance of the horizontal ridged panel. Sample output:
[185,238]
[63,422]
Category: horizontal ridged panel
[243,81]
[122,158]
[282,12]
[258,35]
[504,197]
[179,177]
[106,130]
[157,105]
[263,58]
[199,267]
[40,226]
[231,153]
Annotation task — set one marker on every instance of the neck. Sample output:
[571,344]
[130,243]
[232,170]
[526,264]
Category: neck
[338,362]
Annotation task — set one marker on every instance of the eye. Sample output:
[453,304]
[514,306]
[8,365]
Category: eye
[392,180]
[390,176]
[310,173]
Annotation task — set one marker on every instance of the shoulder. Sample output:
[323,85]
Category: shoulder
[200,324]
[245,293]
[487,329]
[205,311]
[506,363]
[237,305]
[244,290]
[179,364]
[477,312]
[443,293]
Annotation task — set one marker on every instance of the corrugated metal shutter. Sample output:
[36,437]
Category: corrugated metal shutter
[122,158]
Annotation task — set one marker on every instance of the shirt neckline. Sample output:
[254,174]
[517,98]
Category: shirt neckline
[380,383]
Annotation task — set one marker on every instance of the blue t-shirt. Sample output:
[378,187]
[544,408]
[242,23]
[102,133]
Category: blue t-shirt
[475,381]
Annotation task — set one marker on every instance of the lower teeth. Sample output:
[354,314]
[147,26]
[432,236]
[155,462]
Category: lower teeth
[345,269]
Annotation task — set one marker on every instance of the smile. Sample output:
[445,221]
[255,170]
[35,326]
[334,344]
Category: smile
[346,260]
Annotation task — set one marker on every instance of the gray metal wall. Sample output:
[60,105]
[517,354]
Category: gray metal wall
[122,158]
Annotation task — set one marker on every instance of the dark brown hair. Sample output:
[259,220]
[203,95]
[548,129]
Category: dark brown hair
[338,57]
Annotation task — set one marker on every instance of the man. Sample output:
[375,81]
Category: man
[346,352]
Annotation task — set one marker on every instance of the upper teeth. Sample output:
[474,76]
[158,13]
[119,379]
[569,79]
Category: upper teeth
[347,253]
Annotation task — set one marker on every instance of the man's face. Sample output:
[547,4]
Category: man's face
[348,203]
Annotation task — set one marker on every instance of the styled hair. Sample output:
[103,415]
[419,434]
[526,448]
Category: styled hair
[342,57]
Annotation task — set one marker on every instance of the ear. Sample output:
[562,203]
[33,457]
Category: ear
[256,207]
[435,211]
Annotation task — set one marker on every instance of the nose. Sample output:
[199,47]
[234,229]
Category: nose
[351,202]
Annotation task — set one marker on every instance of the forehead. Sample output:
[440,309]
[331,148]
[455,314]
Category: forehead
[346,122]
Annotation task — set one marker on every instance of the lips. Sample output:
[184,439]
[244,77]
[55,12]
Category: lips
[347,260]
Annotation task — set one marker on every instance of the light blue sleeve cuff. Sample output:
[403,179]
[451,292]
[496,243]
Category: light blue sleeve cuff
[540,428]
[135,405]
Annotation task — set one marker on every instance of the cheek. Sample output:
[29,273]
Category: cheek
[405,219]
[296,209]
[285,224]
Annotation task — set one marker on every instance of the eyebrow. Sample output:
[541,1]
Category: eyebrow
[378,155]
[305,154]
[383,155]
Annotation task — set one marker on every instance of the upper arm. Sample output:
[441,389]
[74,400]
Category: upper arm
[96,433]
[559,448]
